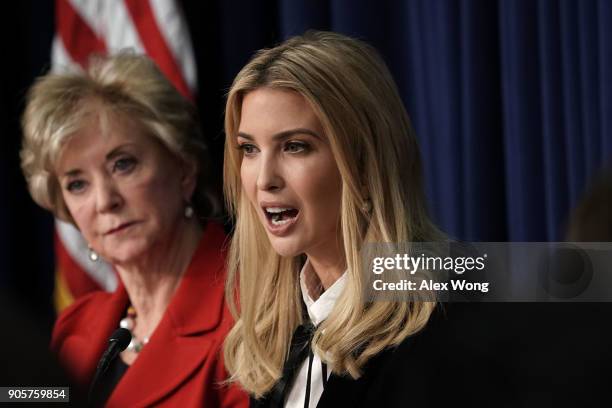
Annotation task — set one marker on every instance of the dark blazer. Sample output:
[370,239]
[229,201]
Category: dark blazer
[489,355]
[182,365]
[449,363]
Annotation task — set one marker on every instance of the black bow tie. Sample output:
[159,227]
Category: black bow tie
[300,348]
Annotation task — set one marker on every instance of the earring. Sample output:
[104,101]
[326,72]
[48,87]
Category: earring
[93,256]
[188,211]
[367,206]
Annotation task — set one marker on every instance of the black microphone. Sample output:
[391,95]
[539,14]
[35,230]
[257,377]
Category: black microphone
[117,342]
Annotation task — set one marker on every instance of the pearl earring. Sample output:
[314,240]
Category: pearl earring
[188,211]
[93,256]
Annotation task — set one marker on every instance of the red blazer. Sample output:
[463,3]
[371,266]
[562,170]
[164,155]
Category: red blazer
[182,365]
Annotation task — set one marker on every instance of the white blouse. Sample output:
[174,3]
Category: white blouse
[318,311]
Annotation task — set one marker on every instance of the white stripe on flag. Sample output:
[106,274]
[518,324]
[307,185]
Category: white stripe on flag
[91,12]
[173,27]
[61,61]
[120,32]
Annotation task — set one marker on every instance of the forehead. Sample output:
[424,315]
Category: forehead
[98,132]
[270,110]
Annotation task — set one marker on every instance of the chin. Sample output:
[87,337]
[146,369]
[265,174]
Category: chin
[286,249]
[125,254]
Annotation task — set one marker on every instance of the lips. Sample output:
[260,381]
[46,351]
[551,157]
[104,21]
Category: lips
[280,217]
[120,228]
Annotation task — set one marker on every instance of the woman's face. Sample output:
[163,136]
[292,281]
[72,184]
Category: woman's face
[289,173]
[123,188]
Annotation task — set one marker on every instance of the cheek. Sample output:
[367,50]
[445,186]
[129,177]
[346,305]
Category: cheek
[328,208]
[160,194]
[248,179]
[322,187]
[81,212]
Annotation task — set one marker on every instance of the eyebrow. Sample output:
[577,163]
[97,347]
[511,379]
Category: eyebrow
[284,135]
[72,173]
[109,156]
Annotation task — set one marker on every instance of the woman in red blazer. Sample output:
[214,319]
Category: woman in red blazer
[116,152]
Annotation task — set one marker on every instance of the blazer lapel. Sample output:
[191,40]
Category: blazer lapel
[180,345]
[341,391]
[174,360]
[345,391]
[86,346]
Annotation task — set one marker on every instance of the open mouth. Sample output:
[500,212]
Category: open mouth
[280,215]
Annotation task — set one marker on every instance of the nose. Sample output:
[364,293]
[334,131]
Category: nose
[269,177]
[108,198]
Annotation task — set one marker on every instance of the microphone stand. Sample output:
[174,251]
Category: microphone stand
[118,342]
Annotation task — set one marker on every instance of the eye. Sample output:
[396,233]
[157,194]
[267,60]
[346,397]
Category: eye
[296,147]
[248,149]
[124,164]
[75,186]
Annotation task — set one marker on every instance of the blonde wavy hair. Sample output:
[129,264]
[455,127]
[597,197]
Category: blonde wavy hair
[125,85]
[371,137]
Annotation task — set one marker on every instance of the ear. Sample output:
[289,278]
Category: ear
[189,178]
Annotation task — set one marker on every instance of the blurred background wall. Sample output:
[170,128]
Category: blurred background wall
[510,100]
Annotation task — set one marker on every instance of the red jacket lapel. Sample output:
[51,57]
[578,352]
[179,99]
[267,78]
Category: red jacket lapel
[184,337]
[78,335]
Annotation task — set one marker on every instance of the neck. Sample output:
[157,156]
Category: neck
[328,266]
[152,281]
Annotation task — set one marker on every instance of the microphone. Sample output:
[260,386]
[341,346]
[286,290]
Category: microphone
[117,342]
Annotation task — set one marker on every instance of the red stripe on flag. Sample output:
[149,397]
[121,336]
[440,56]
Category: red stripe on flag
[155,44]
[79,283]
[79,39]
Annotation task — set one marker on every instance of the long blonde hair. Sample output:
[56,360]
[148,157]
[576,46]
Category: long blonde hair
[358,105]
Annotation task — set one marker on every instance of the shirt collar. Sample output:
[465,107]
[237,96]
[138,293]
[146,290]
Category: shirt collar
[319,309]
